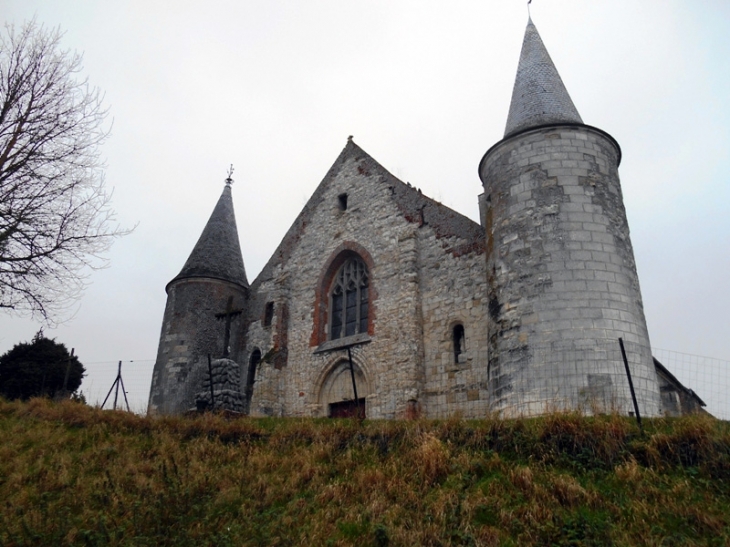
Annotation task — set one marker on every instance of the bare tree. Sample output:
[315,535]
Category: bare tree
[55,216]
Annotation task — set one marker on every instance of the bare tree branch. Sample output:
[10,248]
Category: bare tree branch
[55,216]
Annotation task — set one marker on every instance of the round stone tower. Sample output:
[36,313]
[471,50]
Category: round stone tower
[205,307]
[563,286]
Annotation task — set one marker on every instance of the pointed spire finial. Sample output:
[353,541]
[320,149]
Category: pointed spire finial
[539,96]
[217,254]
[229,178]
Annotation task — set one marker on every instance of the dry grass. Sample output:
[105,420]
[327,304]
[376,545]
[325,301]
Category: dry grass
[74,475]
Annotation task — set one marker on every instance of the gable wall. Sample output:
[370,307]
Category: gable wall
[423,279]
[392,361]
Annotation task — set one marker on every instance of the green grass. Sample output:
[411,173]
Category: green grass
[74,475]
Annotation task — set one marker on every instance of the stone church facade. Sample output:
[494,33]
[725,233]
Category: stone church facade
[378,290]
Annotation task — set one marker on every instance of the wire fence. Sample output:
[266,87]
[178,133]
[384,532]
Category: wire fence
[100,379]
[708,377]
[586,375]
[590,376]
[584,379]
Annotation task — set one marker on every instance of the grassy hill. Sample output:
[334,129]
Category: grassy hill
[74,475]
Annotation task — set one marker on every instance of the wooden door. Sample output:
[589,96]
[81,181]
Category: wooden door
[347,409]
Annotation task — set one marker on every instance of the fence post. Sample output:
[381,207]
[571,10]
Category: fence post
[631,384]
[117,382]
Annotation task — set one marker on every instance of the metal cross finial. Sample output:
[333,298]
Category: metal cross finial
[528,7]
[229,179]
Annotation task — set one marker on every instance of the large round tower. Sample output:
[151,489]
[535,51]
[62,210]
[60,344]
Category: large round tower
[563,286]
[205,306]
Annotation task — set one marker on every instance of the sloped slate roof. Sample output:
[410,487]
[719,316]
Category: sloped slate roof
[419,208]
[217,253]
[539,96]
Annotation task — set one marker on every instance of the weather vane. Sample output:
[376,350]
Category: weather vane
[229,179]
[528,7]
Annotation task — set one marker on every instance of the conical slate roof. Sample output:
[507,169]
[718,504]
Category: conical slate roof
[539,96]
[217,253]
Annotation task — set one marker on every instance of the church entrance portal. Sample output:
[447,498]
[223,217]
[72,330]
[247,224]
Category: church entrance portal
[337,395]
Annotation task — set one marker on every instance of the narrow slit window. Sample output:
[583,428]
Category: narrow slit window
[342,202]
[459,345]
[268,314]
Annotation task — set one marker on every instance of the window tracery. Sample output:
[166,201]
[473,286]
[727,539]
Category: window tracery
[349,300]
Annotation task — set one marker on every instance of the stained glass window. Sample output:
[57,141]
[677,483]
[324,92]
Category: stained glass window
[349,300]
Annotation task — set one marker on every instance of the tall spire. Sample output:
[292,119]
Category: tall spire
[539,96]
[217,253]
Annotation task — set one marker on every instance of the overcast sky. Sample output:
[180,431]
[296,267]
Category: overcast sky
[275,87]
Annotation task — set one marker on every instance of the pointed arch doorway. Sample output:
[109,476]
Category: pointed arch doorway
[337,395]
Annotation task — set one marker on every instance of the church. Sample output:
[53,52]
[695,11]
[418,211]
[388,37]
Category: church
[381,302]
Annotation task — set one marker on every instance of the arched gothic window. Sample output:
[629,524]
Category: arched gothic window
[349,300]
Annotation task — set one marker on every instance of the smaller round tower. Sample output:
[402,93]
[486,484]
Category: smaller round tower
[203,316]
[563,286]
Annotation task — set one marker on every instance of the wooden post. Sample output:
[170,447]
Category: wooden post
[354,385]
[119,375]
[631,384]
[117,382]
[124,391]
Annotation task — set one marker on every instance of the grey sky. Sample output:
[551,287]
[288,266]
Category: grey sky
[275,87]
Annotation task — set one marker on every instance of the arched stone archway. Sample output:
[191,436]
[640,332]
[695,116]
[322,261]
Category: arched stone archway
[336,394]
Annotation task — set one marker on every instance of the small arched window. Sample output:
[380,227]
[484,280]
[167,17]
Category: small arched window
[349,300]
[459,341]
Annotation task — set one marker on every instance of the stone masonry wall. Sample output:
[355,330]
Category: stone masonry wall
[402,251]
[391,360]
[454,291]
[266,397]
[225,375]
[190,331]
[562,279]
